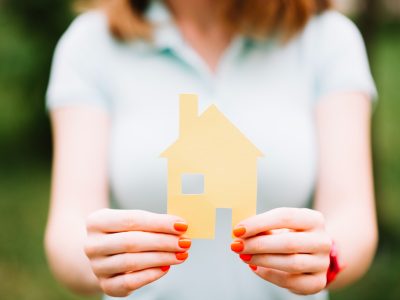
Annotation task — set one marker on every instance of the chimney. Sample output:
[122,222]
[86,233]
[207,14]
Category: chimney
[187,113]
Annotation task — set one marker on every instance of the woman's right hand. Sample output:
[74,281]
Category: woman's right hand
[128,249]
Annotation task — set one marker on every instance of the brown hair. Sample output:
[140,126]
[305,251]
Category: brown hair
[254,18]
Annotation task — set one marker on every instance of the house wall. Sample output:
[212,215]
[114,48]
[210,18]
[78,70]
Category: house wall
[232,185]
[197,210]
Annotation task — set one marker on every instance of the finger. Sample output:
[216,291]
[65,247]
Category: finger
[304,284]
[276,277]
[286,243]
[125,284]
[131,262]
[134,241]
[291,218]
[308,284]
[291,263]
[118,220]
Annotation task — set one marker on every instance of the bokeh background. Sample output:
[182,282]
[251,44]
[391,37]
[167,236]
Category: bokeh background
[29,30]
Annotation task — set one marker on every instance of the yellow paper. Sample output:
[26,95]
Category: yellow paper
[210,145]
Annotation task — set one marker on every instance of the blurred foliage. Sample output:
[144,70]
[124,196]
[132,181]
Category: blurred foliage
[24,275]
[29,30]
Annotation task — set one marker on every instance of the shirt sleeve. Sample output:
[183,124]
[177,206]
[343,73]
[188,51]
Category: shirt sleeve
[76,76]
[342,62]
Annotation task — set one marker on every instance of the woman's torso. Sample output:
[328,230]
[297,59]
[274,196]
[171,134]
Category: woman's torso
[268,90]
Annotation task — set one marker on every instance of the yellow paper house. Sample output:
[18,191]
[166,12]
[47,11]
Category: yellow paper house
[211,148]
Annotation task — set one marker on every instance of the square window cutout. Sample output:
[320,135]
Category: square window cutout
[192,184]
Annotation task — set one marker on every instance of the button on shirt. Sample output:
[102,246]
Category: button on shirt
[267,89]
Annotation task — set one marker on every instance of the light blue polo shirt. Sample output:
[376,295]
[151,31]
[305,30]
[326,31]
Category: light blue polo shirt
[267,89]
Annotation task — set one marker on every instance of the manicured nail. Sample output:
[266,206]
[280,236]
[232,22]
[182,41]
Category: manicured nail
[181,255]
[237,246]
[246,257]
[165,268]
[238,232]
[184,243]
[180,226]
[253,267]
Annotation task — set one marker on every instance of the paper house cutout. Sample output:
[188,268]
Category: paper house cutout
[211,146]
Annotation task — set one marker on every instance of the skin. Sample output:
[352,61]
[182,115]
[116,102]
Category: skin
[201,29]
[297,256]
[113,251]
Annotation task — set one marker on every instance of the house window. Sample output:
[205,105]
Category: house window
[192,184]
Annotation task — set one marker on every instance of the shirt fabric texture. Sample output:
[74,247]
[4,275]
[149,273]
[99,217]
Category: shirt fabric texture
[269,90]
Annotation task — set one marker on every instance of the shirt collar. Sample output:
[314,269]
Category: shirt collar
[165,33]
[166,36]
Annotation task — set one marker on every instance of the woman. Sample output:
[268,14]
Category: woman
[292,75]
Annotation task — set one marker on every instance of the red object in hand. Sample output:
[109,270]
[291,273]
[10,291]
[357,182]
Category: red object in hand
[334,266]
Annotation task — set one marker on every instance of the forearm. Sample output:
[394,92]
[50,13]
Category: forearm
[79,187]
[356,237]
[64,248]
[344,191]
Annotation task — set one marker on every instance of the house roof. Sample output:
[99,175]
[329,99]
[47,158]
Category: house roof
[215,135]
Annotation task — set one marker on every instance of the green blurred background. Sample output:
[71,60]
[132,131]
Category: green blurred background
[29,30]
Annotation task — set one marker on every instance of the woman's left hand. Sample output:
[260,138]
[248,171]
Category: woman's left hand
[288,247]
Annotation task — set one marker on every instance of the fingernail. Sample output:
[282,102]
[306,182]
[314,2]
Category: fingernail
[238,232]
[181,255]
[237,246]
[165,268]
[180,226]
[246,257]
[253,267]
[185,243]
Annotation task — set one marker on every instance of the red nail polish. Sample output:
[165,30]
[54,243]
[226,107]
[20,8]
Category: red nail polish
[253,267]
[165,268]
[246,257]
[238,232]
[181,255]
[180,226]
[237,246]
[184,243]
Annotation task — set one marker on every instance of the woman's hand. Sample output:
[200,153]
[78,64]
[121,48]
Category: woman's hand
[128,249]
[288,247]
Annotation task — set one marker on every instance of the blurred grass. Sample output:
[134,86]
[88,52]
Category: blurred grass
[24,185]
[24,275]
